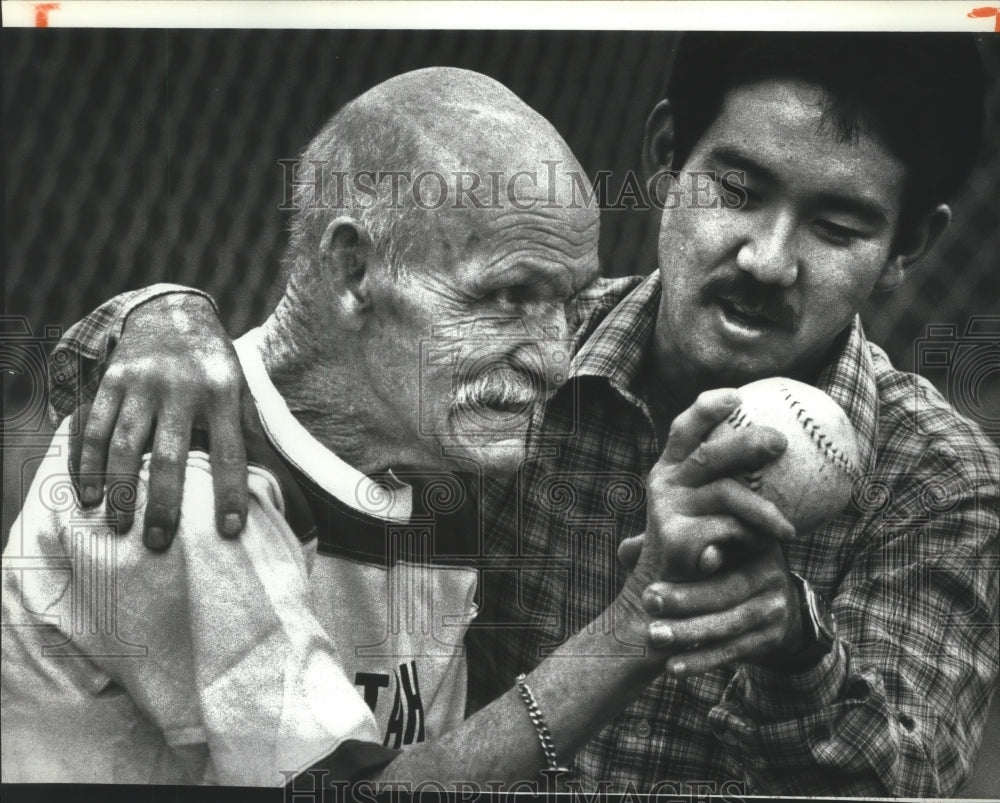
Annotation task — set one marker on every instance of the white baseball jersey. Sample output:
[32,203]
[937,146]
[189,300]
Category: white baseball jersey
[328,635]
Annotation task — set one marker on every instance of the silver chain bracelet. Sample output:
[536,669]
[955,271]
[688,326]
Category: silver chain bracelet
[535,714]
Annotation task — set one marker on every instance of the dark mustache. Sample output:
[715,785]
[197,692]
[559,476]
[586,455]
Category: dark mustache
[765,300]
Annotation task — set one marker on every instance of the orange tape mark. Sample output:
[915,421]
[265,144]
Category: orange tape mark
[987,11]
[42,13]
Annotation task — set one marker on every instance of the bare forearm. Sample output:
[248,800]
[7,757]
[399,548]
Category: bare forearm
[578,689]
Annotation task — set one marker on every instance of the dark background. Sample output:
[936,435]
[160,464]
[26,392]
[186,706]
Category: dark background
[133,157]
[140,156]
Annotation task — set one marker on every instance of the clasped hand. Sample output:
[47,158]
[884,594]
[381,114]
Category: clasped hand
[716,583]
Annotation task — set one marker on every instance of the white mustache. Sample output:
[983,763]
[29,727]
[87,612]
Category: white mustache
[503,387]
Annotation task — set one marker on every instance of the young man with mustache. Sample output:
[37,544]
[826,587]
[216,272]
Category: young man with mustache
[851,147]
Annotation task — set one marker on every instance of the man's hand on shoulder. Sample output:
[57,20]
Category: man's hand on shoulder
[174,370]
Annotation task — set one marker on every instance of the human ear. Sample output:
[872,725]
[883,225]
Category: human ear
[345,252]
[658,143]
[912,245]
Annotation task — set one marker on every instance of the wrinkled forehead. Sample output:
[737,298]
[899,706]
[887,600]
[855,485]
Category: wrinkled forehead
[551,180]
[515,205]
[494,185]
[500,227]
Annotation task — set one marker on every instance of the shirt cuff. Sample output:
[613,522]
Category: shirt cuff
[772,695]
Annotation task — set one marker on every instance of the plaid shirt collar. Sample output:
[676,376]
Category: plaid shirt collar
[616,349]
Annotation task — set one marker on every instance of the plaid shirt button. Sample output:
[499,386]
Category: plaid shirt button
[643,728]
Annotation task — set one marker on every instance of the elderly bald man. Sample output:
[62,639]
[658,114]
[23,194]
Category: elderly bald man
[329,636]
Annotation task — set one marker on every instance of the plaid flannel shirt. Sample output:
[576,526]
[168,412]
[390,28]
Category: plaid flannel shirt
[897,707]
[910,568]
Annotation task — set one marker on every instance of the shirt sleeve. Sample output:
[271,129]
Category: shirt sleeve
[274,695]
[77,361]
[214,640]
[898,707]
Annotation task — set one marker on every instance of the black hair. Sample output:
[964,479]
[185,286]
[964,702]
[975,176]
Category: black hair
[920,95]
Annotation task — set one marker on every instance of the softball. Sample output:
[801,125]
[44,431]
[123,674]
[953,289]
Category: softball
[811,481]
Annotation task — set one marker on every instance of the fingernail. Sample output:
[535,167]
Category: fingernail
[232,523]
[88,493]
[653,603]
[710,560]
[156,538]
[677,668]
[776,442]
[661,632]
